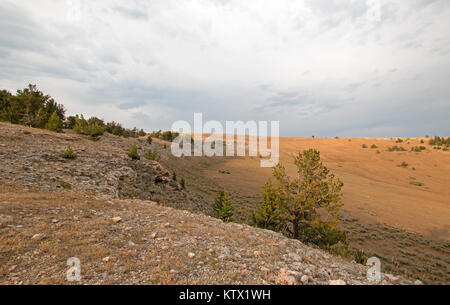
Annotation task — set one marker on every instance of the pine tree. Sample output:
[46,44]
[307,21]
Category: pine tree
[183,183]
[133,153]
[93,127]
[11,110]
[224,207]
[55,123]
[41,119]
[174,176]
[267,214]
[314,189]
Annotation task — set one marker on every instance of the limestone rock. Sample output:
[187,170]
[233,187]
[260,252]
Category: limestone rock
[116,219]
[39,236]
[337,282]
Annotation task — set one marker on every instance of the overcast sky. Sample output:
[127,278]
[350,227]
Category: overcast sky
[321,67]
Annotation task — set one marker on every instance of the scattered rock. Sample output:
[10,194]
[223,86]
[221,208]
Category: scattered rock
[162,179]
[39,236]
[106,259]
[304,279]
[146,178]
[116,219]
[295,257]
[337,282]
[285,278]
[4,219]
[264,269]
[392,278]
[191,255]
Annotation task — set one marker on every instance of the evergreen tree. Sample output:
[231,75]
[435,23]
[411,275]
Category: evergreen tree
[12,110]
[224,207]
[5,95]
[301,198]
[24,107]
[94,127]
[41,119]
[267,214]
[54,123]
[70,122]
[133,153]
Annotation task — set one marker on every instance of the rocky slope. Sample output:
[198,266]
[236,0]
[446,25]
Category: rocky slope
[124,220]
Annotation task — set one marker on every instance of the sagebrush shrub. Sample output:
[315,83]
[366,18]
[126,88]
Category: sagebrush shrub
[68,153]
[152,155]
[416,183]
[133,153]
[360,257]
[403,164]
[396,148]
[418,148]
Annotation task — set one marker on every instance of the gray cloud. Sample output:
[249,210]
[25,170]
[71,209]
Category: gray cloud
[319,67]
[132,13]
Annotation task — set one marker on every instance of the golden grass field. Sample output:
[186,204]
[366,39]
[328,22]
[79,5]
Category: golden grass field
[377,189]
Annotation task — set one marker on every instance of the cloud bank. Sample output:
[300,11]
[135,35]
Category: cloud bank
[320,67]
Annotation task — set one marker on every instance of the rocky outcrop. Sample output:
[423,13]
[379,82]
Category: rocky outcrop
[101,168]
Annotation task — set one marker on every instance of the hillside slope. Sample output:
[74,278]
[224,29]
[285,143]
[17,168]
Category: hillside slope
[101,209]
[397,213]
